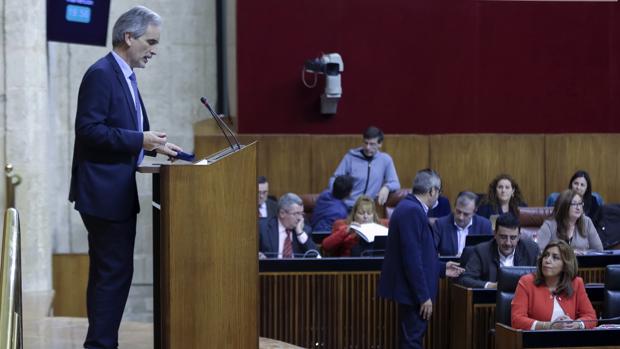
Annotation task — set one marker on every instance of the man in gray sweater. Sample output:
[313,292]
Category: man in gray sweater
[373,170]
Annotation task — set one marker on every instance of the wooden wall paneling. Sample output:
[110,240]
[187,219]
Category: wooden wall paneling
[70,278]
[472,161]
[284,159]
[327,151]
[410,154]
[595,153]
[205,145]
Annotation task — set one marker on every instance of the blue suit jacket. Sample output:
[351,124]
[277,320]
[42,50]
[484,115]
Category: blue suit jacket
[411,267]
[448,237]
[269,239]
[107,144]
[327,210]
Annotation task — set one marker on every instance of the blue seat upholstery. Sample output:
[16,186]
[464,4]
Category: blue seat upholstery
[554,196]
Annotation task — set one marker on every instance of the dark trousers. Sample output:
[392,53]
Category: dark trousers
[411,327]
[110,247]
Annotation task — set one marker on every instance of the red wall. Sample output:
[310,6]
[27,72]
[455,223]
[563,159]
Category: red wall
[431,66]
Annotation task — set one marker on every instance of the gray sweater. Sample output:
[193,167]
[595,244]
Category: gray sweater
[549,232]
[369,174]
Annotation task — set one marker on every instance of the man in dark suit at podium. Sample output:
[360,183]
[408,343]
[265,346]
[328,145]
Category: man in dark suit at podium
[284,236]
[452,230]
[111,137]
[411,267]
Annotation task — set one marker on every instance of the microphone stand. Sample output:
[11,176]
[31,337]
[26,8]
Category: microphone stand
[223,127]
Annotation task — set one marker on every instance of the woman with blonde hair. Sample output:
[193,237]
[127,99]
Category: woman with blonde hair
[344,241]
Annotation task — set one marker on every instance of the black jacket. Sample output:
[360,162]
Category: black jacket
[483,263]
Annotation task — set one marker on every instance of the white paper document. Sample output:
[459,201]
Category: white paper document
[368,231]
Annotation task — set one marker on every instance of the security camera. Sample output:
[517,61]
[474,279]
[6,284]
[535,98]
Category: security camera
[330,65]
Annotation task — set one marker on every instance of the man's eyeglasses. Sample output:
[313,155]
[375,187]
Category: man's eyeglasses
[299,214]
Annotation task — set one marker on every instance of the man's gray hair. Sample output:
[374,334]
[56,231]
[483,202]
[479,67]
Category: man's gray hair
[135,21]
[425,180]
[287,200]
[465,197]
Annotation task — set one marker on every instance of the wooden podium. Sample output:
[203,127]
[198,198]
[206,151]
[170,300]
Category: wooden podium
[205,258]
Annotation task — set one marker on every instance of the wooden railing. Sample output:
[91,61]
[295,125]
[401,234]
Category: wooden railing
[11,332]
[332,303]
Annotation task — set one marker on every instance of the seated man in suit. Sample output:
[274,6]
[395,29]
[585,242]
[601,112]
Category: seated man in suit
[267,207]
[283,236]
[507,249]
[452,229]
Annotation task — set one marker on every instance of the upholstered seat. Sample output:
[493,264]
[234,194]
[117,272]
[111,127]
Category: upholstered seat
[507,281]
[611,305]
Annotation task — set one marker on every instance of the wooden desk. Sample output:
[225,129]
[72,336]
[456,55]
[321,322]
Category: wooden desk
[332,303]
[472,313]
[510,338]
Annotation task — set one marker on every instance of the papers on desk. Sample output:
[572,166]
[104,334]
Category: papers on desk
[368,231]
[608,326]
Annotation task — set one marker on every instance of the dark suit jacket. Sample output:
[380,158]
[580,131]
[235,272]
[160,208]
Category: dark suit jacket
[448,238]
[268,239]
[272,207]
[411,267]
[483,264]
[107,144]
[487,210]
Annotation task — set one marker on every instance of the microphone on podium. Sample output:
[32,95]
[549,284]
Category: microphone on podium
[221,124]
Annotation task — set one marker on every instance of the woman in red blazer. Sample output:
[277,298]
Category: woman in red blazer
[343,241]
[555,296]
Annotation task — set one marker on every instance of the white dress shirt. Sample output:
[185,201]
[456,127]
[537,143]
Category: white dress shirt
[461,236]
[301,238]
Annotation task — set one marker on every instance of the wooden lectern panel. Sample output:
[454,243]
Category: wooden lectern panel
[209,244]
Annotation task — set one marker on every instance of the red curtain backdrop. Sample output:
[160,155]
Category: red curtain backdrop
[431,66]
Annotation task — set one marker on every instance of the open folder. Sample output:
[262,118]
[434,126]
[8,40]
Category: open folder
[368,231]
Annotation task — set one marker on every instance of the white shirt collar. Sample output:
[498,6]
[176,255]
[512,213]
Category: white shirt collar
[458,228]
[281,228]
[506,261]
[424,207]
[127,71]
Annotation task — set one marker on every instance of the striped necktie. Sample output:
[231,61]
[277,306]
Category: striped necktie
[287,250]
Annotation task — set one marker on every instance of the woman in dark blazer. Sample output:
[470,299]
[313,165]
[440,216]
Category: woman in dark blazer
[504,196]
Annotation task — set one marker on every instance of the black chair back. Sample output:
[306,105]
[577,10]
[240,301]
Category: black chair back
[507,281]
[611,300]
